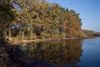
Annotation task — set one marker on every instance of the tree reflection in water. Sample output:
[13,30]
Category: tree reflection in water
[63,52]
[43,54]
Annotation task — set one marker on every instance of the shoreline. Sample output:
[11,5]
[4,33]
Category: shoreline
[17,42]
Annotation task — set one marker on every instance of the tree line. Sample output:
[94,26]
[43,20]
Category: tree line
[33,19]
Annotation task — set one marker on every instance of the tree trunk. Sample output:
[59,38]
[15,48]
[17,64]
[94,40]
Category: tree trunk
[1,35]
[23,35]
[9,33]
[4,34]
[31,35]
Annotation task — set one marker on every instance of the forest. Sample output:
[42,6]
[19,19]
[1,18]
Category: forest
[57,32]
[38,19]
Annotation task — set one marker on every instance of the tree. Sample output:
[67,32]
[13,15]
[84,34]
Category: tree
[7,15]
[43,20]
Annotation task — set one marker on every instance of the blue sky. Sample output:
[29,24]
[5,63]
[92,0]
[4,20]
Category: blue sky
[89,11]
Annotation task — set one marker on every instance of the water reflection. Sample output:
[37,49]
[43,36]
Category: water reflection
[52,54]
[62,52]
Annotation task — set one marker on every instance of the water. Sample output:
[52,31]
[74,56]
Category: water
[71,53]
[67,53]
[91,53]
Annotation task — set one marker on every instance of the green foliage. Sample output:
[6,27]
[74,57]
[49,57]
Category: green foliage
[43,19]
[7,15]
[89,33]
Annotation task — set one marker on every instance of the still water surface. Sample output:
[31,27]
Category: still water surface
[91,53]
[68,53]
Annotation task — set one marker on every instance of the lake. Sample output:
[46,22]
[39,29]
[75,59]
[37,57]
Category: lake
[65,53]
[71,53]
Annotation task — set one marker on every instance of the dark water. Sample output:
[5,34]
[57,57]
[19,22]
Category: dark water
[68,53]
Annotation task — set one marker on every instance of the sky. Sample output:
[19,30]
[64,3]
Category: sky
[89,11]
